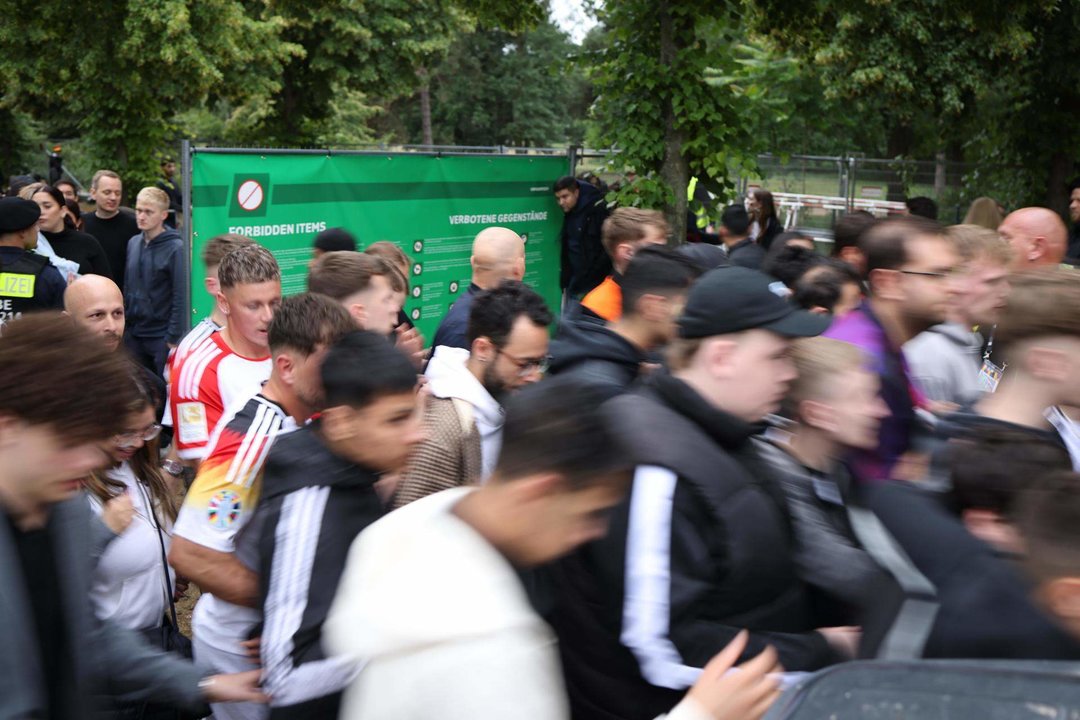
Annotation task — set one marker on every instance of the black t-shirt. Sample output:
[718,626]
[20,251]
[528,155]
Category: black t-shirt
[37,560]
[80,248]
[113,234]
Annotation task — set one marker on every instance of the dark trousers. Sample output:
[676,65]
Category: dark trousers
[151,353]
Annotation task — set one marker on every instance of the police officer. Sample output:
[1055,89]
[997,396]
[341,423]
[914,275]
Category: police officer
[27,280]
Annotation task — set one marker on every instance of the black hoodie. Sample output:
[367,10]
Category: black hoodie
[585,263]
[596,355]
[313,505]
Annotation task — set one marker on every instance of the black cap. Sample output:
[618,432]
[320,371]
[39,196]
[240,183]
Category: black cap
[732,299]
[705,256]
[335,239]
[735,219]
[17,214]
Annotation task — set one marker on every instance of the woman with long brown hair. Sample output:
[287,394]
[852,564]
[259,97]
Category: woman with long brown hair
[135,500]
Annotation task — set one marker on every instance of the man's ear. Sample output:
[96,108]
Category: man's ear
[536,487]
[337,423]
[717,354]
[222,303]
[358,314]
[818,415]
[212,285]
[10,427]
[286,368]
[483,349]
[885,284]
[652,308]
[1062,597]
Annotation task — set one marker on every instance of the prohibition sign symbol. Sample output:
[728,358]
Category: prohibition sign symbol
[250,195]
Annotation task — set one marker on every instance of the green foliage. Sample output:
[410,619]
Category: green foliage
[119,71]
[501,88]
[655,102]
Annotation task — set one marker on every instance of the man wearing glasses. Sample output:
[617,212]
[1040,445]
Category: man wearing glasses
[910,273]
[508,346]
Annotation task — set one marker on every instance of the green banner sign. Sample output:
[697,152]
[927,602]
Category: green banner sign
[430,206]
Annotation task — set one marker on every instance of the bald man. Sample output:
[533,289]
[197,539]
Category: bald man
[497,254]
[1037,236]
[96,303]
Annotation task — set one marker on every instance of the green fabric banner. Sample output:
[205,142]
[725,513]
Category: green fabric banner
[430,206]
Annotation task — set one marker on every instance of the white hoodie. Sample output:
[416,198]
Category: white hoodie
[442,626]
[449,378]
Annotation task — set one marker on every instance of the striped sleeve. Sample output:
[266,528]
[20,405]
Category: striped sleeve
[224,494]
[296,541]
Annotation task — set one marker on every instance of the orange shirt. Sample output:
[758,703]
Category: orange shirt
[605,299]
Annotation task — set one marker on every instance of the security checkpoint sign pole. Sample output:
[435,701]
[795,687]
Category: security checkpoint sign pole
[431,206]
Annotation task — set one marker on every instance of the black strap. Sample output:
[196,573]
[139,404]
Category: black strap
[911,628]
[164,560]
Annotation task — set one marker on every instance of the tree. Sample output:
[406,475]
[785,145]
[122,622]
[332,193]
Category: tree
[921,64]
[119,71]
[498,87]
[656,105]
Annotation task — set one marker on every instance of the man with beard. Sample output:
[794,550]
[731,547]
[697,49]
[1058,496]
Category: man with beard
[508,341]
[910,273]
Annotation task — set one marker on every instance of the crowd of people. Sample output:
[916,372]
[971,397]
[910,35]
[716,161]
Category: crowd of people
[716,468]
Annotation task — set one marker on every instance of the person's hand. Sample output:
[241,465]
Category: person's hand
[742,693]
[252,648]
[180,588]
[118,513]
[844,640]
[238,687]
[411,342]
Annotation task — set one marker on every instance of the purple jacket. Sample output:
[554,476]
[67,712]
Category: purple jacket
[862,328]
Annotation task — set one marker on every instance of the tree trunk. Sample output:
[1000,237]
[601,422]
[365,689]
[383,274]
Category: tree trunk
[939,174]
[675,170]
[1056,180]
[425,105]
[901,139]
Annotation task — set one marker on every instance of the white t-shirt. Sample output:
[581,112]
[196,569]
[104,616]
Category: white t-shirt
[129,581]
[219,506]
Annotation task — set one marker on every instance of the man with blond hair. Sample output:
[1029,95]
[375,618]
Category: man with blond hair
[945,359]
[625,231]
[497,254]
[154,280]
[109,223]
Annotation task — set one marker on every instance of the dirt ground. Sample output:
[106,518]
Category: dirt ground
[184,608]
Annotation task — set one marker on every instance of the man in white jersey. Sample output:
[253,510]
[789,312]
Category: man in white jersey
[212,540]
[212,255]
[232,364]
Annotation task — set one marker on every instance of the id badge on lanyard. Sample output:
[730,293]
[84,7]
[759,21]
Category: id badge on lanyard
[990,373]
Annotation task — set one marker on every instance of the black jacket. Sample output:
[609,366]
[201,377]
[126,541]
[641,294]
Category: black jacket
[313,505]
[585,263]
[985,610]
[113,234]
[700,549]
[454,329]
[594,354]
[78,247]
[747,254]
[154,285]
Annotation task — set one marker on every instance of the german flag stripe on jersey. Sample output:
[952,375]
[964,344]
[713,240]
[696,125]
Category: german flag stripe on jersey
[226,490]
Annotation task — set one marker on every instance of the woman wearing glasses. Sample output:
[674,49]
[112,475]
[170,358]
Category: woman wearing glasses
[133,498]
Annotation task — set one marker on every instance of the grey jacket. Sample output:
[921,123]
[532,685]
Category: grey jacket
[945,361]
[154,287]
[827,555]
[101,652]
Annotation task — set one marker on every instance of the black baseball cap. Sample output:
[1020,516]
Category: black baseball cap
[17,214]
[732,299]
